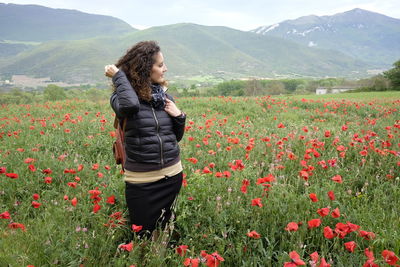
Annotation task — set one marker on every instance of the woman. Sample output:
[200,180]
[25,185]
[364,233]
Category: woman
[154,126]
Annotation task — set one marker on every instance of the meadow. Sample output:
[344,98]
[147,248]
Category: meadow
[269,181]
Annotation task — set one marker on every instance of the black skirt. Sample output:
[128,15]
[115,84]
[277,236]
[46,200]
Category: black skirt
[150,204]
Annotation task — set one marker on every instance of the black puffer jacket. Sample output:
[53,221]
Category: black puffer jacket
[151,135]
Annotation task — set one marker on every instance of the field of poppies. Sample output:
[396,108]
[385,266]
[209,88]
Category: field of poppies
[269,181]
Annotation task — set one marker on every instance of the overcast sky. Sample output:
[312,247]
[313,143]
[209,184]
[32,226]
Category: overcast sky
[238,14]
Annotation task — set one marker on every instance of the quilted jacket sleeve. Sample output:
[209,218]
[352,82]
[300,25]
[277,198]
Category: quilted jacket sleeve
[124,100]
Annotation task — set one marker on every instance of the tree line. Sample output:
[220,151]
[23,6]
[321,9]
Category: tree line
[389,80]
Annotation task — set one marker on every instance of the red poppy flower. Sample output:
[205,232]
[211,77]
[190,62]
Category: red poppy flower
[32,168]
[328,233]
[111,200]
[5,215]
[323,212]
[256,202]
[245,184]
[314,257]
[15,225]
[367,235]
[342,230]
[370,262]
[137,228]
[36,204]
[181,250]
[29,160]
[327,133]
[292,227]
[219,174]
[80,167]
[213,260]
[253,234]
[96,208]
[304,174]
[295,257]
[74,201]
[70,171]
[352,227]
[336,213]
[3,170]
[331,195]
[48,180]
[35,196]
[126,247]
[369,254]
[341,148]
[189,262]
[206,170]
[350,246]
[337,178]
[227,174]
[72,184]
[323,263]
[314,223]
[267,179]
[389,257]
[313,197]
[192,160]
[12,175]
[47,171]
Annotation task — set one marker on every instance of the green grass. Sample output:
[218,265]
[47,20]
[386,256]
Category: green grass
[213,213]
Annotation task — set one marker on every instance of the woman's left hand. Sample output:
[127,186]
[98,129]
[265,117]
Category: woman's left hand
[110,70]
[171,108]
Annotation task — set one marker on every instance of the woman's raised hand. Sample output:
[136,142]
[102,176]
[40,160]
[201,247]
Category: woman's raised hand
[110,70]
[171,108]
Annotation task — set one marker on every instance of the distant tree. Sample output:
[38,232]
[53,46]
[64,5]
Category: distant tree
[379,83]
[253,87]
[53,92]
[292,84]
[301,89]
[232,88]
[394,75]
[276,88]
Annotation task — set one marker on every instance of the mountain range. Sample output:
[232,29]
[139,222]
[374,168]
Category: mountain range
[359,33]
[69,52]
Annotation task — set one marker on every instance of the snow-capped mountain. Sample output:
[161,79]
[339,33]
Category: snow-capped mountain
[360,33]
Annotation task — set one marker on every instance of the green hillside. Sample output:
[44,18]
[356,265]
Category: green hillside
[39,23]
[189,50]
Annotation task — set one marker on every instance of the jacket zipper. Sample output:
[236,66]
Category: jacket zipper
[159,138]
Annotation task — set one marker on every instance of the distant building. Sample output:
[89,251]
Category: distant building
[333,90]
[24,81]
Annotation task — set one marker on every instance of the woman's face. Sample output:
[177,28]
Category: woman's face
[158,69]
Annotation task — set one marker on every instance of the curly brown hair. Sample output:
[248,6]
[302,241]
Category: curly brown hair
[137,64]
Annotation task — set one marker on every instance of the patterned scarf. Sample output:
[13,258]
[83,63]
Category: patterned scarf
[157,96]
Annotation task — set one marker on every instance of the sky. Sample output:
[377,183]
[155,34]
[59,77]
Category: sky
[238,14]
